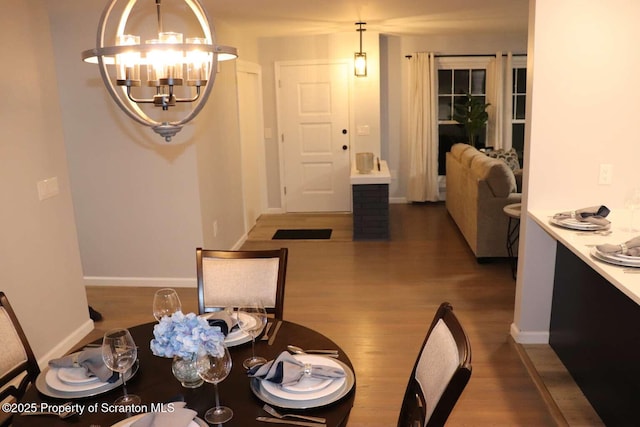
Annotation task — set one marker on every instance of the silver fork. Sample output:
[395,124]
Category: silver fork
[277,414]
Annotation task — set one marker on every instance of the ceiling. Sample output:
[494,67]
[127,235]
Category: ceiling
[280,18]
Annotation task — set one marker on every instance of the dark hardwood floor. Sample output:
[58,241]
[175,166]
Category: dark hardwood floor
[376,300]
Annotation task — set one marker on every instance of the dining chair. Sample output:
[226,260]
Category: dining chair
[235,278]
[440,373]
[18,365]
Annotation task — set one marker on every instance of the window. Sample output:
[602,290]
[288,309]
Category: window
[519,99]
[456,77]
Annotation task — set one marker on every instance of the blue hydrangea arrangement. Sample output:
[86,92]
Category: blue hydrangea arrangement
[182,335]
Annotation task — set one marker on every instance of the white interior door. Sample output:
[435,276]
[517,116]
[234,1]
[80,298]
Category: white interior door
[254,175]
[313,115]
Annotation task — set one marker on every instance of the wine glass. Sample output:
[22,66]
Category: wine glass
[632,202]
[165,303]
[252,319]
[214,368]
[119,353]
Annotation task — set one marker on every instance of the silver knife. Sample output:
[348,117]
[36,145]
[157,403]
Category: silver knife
[293,423]
[272,337]
[265,336]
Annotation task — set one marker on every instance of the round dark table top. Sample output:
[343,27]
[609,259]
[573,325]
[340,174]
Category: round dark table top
[155,383]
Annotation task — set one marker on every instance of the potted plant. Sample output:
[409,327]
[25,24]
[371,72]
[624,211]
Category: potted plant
[472,114]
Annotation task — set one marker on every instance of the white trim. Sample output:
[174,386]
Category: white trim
[67,344]
[398,200]
[153,282]
[275,211]
[534,337]
[240,242]
[246,67]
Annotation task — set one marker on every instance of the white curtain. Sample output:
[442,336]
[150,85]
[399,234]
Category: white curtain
[499,95]
[423,129]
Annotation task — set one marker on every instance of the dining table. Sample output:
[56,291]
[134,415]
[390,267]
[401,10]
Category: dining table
[155,384]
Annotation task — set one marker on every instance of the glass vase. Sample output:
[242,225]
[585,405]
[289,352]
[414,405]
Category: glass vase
[185,371]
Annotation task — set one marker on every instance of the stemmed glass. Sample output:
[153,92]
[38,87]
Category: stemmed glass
[632,202]
[252,318]
[119,353]
[214,368]
[165,303]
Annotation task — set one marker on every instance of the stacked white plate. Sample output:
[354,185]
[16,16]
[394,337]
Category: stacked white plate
[74,382]
[308,392]
[237,336]
[574,224]
[616,259]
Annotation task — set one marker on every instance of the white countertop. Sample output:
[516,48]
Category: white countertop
[627,283]
[376,176]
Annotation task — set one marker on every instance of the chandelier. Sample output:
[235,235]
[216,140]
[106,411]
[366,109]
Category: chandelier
[175,70]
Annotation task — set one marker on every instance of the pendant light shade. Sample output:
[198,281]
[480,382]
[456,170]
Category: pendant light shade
[360,57]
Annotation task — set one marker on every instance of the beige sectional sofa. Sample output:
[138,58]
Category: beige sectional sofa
[478,187]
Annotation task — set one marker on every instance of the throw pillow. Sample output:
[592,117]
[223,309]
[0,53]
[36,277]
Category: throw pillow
[510,157]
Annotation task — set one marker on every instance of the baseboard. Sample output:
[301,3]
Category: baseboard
[154,282]
[67,344]
[398,200]
[275,211]
[240,242]
[539,337]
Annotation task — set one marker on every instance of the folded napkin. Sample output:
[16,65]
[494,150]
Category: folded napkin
[171,415]
[223,319]
[287,370]
[91,360]
[592,214]
[630,247]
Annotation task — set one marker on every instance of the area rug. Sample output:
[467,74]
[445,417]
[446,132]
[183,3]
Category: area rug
[302,234]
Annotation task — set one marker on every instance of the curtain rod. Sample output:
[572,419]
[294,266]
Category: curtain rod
[470,55]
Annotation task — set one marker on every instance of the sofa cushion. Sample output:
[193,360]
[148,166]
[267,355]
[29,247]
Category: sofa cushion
[498,176]
[458,149]
[468,155]
[510,157]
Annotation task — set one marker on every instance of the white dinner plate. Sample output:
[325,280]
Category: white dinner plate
[76,376]
[574,224]
[310,388]
[237,336]
[347,386]
[75,391]
[615,259]
[197,422]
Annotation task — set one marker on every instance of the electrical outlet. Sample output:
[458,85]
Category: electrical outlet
[215,228]
[606,174]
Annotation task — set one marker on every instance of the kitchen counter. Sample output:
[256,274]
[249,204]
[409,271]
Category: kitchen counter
[580,245]
[595,314]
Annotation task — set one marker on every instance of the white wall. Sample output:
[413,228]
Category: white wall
[583,63]
[40,267]
[143,206]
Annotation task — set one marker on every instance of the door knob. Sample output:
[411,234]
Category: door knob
[344,131]
[345,147]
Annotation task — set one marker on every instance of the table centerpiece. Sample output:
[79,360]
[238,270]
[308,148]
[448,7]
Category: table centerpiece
[180,336]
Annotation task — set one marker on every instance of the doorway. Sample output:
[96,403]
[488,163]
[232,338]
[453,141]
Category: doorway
[313,118]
